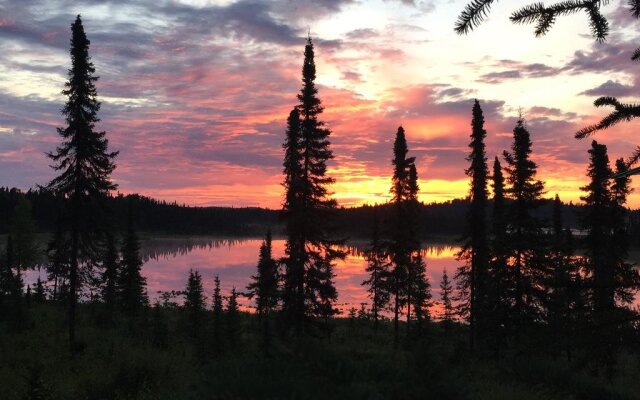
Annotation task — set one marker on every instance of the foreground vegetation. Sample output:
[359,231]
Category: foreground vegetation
[157,356]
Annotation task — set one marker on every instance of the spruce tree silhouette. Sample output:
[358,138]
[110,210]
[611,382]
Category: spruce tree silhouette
[419,294]
[39,296]
[85,164]
[233,317]
[194,301]
[132,285]
[217,315]
[264,287]
[110,274]
[475,248]
[525,236]
[417,288]
[309,253]
[561,307]
[58,254]
[22,230]
[500,291]
[404,189]
[613,280]
[10,286]
[378,268]
[446,292]
[400,240]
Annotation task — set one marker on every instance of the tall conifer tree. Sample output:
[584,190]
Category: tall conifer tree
[309,254]
[133,286]
[525,235]
[378,270]
[613,281]
[84,162]
[475,251]
[194,301]
[233,317]
[401,234]
[446,291]
[58,250]
[111,272]
[499,287]
[23,233]
[217,314]
[264,285]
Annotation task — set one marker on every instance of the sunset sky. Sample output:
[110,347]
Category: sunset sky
[196,93]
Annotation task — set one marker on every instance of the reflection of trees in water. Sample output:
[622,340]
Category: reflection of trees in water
[171,246]
[359,249]
[166,247]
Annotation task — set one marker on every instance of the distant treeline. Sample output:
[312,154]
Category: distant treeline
[150,215]
[154,216]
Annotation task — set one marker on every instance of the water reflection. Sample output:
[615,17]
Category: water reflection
[168,260]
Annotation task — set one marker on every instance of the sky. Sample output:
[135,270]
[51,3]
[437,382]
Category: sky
[195,94]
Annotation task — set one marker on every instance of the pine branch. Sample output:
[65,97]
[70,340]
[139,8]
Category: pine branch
[545,22]
[473,15]
[545,17]
[635,157]
[528,14]
[636,54]
[635,8]
[623,112]
[598,23]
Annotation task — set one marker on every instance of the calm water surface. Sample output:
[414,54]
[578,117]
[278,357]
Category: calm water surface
[167,262]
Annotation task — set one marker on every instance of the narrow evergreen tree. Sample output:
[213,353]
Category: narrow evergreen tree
[39,296]
[596,221]
[419,291]
[525,237]
[11,289]
[626,276]
[23,234]
[194,301]
[446,291]
[475,250]
[309,254]
[378,270]
[613,281]
[58,250]
[292,212]
[7,278]
[500,288]
[264,285]
[264,288]
[132,285]
[560,308]
[84,161]
[417,288]
[217,314]
[110,273]
[401,235]
[233,317]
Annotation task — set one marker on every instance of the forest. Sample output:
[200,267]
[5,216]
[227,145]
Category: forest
[542,306]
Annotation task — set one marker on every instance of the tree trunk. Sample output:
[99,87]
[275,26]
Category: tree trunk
[73,285]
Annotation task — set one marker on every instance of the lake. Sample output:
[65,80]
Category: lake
[167,262]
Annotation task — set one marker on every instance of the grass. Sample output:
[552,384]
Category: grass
[156,357]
